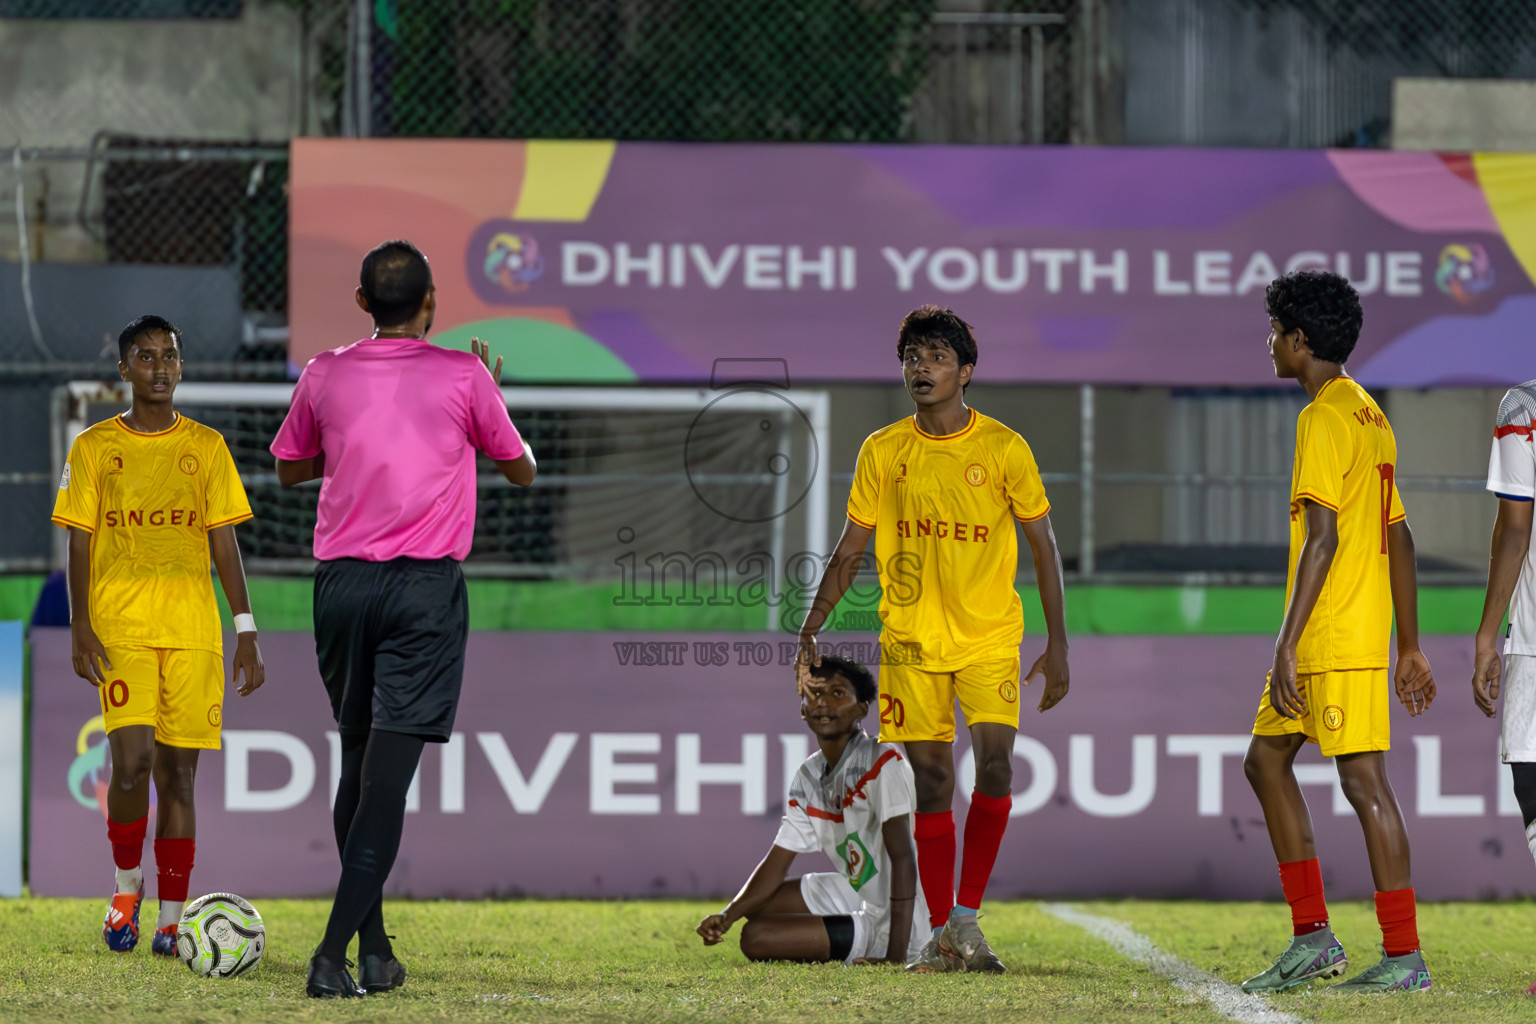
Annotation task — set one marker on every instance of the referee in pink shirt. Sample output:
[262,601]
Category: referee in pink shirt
[390,426]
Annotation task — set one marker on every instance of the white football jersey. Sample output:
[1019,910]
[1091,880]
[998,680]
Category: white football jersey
[841,813]
[1512,472]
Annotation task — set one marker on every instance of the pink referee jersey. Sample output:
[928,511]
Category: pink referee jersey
[399,421]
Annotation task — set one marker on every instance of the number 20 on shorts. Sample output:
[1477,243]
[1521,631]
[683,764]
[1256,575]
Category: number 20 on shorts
[892,712]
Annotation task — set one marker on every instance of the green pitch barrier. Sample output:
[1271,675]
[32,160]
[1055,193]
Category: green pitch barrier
[283,603]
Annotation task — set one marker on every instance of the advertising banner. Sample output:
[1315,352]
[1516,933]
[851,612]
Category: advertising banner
[12,765]
[612,764]
[620,262]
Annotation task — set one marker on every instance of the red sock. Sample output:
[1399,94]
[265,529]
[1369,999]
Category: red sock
[984,827]
[1302,883]
[1397,913]
[935,834]
[127,839]
[174,859]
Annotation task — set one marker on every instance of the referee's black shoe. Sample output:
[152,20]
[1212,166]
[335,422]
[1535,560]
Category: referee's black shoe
[379,973]
[327,980]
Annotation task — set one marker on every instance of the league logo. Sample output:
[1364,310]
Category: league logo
[512,261]
[1464,271]
[88,772]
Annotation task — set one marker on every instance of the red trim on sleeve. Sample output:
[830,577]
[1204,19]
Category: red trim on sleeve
[242,517]
[61,521]
[1515,428]
[1309,496]
[855,519]
[1037,518]
[817,812]
[1399,519]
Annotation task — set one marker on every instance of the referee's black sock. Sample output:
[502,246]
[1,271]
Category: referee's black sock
[388,765]
[370,934]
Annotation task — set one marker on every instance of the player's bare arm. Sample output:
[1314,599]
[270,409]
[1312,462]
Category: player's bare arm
[847,558]
[754,896]
[1414,682]
[1051,665]
[247,664]
[86,651]
[1312,567]
[292,472]
[896,833]
[1511,541]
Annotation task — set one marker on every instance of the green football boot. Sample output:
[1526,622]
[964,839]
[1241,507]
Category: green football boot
[1406,972]
[1314,955]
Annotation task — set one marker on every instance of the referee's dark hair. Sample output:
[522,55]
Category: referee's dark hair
[143,325]
[857,675]
[395,280]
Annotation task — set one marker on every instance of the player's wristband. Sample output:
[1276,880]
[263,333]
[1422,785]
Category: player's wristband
[245,622]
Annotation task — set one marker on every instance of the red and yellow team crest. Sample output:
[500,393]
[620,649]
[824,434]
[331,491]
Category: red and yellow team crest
[215,715]
[188,464]
[975,474]
[1008,690]
[1333,717]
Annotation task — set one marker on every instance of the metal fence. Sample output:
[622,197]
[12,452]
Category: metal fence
[1298,73]
[206,217]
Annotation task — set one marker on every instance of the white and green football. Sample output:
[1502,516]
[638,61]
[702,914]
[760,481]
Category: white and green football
[220,936]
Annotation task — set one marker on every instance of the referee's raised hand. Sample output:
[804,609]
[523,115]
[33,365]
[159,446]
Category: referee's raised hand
[483,350]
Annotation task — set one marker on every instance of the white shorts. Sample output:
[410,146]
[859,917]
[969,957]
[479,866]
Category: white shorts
[828,894]
[1517,717]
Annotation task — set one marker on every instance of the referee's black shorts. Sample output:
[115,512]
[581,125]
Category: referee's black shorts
[390,638]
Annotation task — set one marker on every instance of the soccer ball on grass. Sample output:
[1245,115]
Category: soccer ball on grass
[220,936]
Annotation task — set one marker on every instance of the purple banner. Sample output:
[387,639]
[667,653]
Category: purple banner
[610,764]
[604,262]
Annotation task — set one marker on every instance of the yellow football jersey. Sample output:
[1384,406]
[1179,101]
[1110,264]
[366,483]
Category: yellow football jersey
[1346,459]
[148,501]
[942,509]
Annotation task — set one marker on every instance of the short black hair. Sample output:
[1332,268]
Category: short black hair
[143,325]
[931,324]
[1323,306]
[857,675]
[395,280]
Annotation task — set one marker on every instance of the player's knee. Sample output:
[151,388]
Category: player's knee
[933,779]
[994,773]
[1525,789]
[752,945]
[1255,768]
[174,783]
[133,770]
[1363,790]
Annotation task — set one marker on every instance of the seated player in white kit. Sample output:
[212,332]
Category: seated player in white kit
[853,799]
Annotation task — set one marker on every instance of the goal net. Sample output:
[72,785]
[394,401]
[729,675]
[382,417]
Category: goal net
[680,480]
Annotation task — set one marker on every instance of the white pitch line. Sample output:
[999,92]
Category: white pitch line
[1225,998]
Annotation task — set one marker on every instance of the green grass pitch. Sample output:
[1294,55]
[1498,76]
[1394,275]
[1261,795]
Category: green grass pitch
[569,961]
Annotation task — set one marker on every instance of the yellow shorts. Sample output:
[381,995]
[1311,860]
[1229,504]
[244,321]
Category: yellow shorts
[917,705]
[179,692]
[1346,712]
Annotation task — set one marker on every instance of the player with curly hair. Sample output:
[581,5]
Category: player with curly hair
[1351,565]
